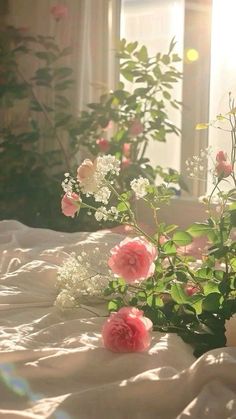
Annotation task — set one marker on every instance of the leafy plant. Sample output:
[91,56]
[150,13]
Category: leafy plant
[124,121]
[36,146]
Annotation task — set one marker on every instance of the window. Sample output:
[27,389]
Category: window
[154,23]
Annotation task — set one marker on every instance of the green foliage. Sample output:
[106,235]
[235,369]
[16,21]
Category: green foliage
[145,103]
[30,179]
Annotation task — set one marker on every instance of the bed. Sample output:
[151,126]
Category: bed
[53,364]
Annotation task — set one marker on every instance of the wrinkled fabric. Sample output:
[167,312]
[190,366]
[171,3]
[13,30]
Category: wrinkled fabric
[53,364]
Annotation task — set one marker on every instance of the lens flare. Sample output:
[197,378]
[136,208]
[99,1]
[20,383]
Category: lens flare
[192,55]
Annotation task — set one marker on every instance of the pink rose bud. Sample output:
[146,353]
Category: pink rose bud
[224,169]
[86,170]
[59,11]
[127,331]
[103,144]
[133,259]
[125,163]
[126,149]
[221,156]
[191,290]
[136,128]
[70,204]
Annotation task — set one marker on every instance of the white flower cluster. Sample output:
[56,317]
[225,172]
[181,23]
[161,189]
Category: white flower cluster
[108,164]
[94,184]
[69,184]
[102,195]
[103,214]
[197,166]
[139,186]
[76,278]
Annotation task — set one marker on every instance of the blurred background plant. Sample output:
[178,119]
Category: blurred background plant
[36,147]
[128,118]
[42,136]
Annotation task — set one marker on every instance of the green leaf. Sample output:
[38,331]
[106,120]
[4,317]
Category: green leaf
[172,45]
[233,264]
[166,95]
[201,126]
[210,287]
[113,305]
[131,46]
[178,294]
[47,56]
[199,229]
[175,58]
[63,72]
[64,85]
[212,302]
[122,207]
[166,59]
[116,304]
[196,302]
[170,228]
[233,217]
[66,51]
[204,274]
[142,54]
[127,75]
[182,238]
[169,248]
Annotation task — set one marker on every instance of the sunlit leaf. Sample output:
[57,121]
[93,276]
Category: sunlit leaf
[202,126]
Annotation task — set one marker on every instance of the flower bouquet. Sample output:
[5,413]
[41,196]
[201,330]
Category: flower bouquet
[152,279]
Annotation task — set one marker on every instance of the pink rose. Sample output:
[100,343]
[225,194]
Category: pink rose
[127,331]
[136,127]
[132,259]
[86,170]
[59,11]
[70,204]
[221,156]
[191,290]
[224,169]
[126,149]
[103,144]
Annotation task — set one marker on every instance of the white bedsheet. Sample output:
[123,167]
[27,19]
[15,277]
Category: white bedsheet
[53,365]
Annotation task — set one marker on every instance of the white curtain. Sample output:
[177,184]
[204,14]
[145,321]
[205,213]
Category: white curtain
[91,28]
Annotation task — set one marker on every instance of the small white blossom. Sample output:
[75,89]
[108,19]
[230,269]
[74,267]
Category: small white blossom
[197,166]
[108,164]
[101,214]
[102,195]
[67,185]
[113,211]
[65,300]
[139,186]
